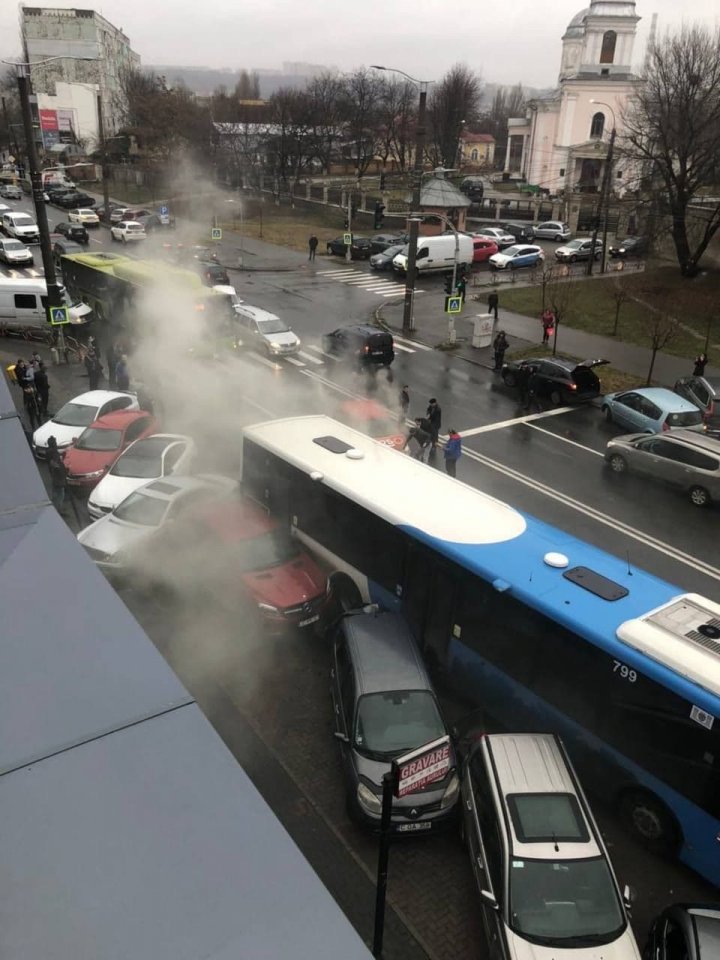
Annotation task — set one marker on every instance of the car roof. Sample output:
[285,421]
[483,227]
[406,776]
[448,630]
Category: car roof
[168,488]
[366,329]
[700,440]
[383,653]
[257,313]
[118,419]
[96,398]
[667,399]
[156,440]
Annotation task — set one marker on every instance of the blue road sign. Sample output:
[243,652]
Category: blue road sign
[59,316]
[164,210]
[453,304]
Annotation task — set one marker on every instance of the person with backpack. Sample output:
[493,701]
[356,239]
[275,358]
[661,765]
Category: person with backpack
[453,452]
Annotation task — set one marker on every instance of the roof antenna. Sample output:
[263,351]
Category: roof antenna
[627,554]
[557,848]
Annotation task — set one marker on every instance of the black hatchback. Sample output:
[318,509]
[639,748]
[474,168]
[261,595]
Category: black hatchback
[558,379]
[360,248]
[73,231]
[361,343]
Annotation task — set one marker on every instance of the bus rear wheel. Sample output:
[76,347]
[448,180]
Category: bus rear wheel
[650,822]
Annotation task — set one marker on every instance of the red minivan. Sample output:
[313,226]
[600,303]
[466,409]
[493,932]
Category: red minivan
[99,445]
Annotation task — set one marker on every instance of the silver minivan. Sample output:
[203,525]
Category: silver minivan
[552,230]
[266,331]
[681,458]
[384,707]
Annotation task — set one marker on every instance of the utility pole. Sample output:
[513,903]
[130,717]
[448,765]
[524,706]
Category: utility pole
[54,296]
[348,251]
[103,161]
[611,147]
[410,276]
[604,201]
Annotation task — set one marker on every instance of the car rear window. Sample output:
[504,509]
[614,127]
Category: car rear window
[688,418]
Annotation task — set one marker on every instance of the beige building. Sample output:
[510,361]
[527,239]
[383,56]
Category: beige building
[476,150]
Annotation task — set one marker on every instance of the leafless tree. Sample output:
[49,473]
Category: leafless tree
[660,329]
[329,106]
[672,132]
[397,120]
[290,138]
[363,97]
[620,295]
[561,293]
[453,103]
[507,102]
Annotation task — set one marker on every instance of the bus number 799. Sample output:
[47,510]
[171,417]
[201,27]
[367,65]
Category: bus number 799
[625,672]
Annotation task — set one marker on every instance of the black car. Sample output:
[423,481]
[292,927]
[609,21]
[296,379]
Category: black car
[361,343]
[72,199]
[474,188]
[213,274]
[704,392]
[523,232]
[629,247]
[685,931]
[360,249]
[558,379]
[54,191]
[382,241]
[73,231]
[383,260]
[62,247]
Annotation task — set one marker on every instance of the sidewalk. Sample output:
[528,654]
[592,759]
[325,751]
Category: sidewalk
[431,327]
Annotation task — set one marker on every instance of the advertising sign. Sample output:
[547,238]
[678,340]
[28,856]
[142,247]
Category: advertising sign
[48,120]
[66,125]
[417,769]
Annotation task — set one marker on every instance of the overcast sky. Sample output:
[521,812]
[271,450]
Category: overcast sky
[504,42]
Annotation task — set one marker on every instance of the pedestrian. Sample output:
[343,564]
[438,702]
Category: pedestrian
[19,372]
[453,451]
[548,324]
[36,359]
[434,416]
[493,303]
[31,405]
[699,368]
[421,434]
[42,386]
[94,369]
[58,474]
[533,389]
[404,403]
[111,358]
[122,373]
[522,379]
[500,345]
[312,246]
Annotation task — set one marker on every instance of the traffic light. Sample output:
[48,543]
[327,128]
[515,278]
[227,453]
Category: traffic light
[346,224]
[379,214]
[448,286]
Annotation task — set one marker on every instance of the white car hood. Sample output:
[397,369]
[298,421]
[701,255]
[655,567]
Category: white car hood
[63,434]
[109,535]
[500,258]
[18,254]
[287,339]
[26,230]
[624,948]
[112,490]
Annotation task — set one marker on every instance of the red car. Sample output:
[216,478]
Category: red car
[287,586]
[99,445]
[483,249]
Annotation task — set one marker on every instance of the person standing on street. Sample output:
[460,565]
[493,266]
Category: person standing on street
[533,387]
[94,369]
[493,303]
[548,325]
[111,358]
[700,363]
[453,452]
[312,247]
[31,406]
[404,403]
[522,380]
[42,387]
[500,345]
[58,474]
[434,417]
[122,373]
[421,434]
[19,372]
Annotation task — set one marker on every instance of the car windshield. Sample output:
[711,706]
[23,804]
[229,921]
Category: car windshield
[13,245]
[388,724]
[396,249]
[95,438]
[574,244]
[567,903]
[23,220]
[273,326]
[143,459]
[135,226]
[512,251]
[143,510]
[688,418]
[75,415]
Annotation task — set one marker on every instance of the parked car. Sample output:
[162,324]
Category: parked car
[20,226]
[128,231]
[579,249]
[439,255]
[14,253]
[546,886]
[62,247]
[73,231]
[360,249]
[119,213]
[10,191]
[152,457]
[685,931]
[99,445]
[155,221]
[77,414]
[629,247]
[500,236]
[520,255]
[552,230]
[213,274]
[101,210]
[381,241]
[483,249]
[84,216]
[4,208]
[72,199]
[384,259]
[133,213]
[267,331]
[364,345]
[683,459]
[651,410]
[523,232]
[559,380]
[385,706]
[704,392]
[473,188]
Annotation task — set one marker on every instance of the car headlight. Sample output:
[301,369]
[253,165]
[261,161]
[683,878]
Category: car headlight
[95,473]
[451,792]
[267,608]
[275,346]
[368,800]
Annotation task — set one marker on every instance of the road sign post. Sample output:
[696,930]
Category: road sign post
[347,239]
[216,233]
[454,304]
[59,316]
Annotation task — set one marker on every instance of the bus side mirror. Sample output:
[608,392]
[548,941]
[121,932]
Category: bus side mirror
[488,899]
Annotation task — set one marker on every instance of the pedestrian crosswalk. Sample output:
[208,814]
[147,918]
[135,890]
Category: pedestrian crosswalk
[353,277]
[17,274]
[314,356]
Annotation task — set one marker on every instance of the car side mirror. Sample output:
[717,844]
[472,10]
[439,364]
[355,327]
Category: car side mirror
[342,737]
[629,896]
[488,899]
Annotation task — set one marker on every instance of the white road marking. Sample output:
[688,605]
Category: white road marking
[317,349]
[556,436]
[294,361]
[501,424]
[332,385]
[398,293]
[338,273]
[412,343]
[310,357]
[263,360]
[403,349]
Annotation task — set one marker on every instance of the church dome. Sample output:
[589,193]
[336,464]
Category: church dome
[576,27]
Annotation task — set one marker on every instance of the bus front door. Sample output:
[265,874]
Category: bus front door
[429,604]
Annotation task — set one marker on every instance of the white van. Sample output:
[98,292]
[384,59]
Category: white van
[23,302]
[437,254]
[20,226]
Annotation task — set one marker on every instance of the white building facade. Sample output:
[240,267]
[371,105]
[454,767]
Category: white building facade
[561,144]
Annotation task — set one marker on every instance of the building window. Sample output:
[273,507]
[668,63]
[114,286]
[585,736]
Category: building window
[474,155]
[562,171]
[598,125]
[607,53]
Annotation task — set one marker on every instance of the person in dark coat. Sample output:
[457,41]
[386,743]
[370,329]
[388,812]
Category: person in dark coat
[32,409]
[700,363]
[312,247]
[404,402]
[111,358]
[434,416]
[421,434]
[453,452]
[522,380]
[533,387]
[493,303]
[58,474]
[500,345]
[122,374]
[42,386]
[20,371]
[94,369]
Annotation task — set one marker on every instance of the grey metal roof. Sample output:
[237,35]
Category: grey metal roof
[439,192]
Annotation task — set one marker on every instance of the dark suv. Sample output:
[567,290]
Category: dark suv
[362,343]
[558,379]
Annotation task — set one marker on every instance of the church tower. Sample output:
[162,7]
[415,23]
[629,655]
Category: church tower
[599,40]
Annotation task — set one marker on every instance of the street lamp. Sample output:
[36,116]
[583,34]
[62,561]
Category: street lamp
[604,205]
[422,85]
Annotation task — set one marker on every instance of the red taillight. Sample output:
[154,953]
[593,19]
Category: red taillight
[573,386]
[366,349]
[665,425]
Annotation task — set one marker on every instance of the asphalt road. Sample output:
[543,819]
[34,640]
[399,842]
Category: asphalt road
[548,464]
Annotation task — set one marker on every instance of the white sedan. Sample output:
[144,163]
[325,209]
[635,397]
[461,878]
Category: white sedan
[84,215]
[151,458]
[78,413]
[128,230]
[13,252]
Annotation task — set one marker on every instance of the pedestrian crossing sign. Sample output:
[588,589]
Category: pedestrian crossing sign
[216,233]
[347,239]
[453,304]
[59,316]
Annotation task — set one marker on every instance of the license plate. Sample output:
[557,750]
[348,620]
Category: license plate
[413,827]
[305,623]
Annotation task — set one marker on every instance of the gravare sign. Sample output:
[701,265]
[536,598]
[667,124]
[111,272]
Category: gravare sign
[422,766]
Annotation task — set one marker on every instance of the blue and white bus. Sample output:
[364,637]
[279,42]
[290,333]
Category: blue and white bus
[541,630]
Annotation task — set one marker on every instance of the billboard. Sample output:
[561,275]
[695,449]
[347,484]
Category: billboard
[66,126]
[423,766]
[57,126]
